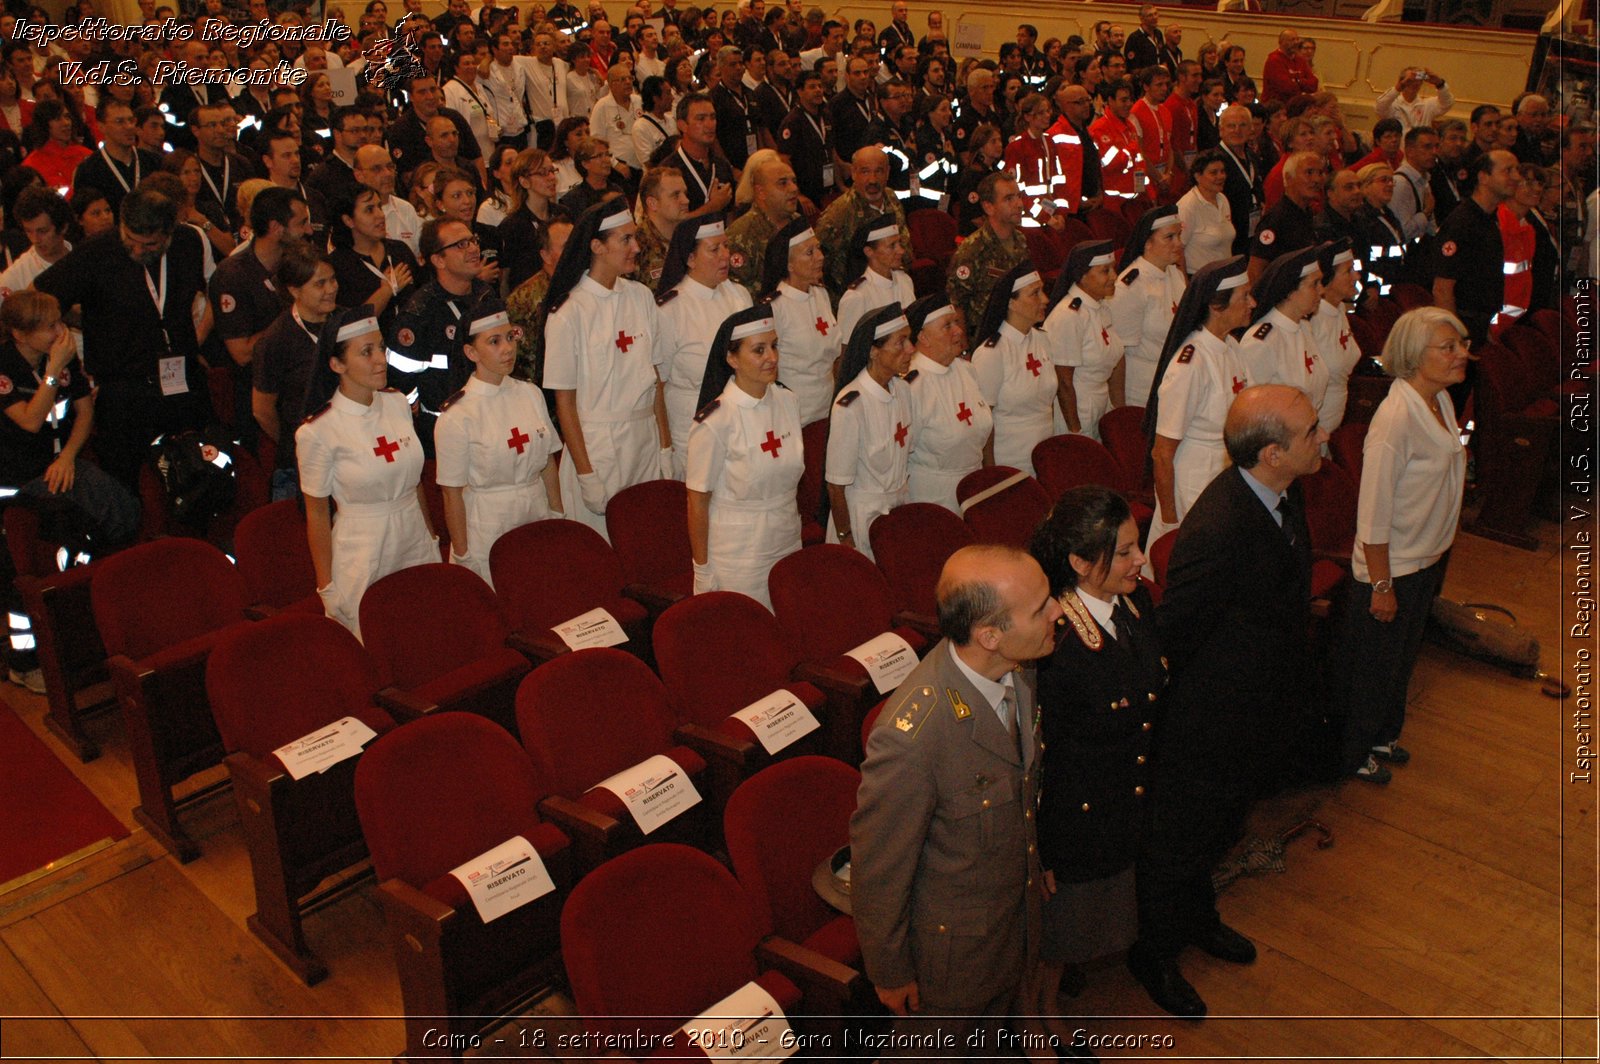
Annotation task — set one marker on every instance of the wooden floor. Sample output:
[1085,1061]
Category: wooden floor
[1445,923]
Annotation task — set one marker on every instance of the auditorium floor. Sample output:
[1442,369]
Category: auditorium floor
[1445,922]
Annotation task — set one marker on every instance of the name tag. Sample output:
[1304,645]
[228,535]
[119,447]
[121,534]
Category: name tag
[778,720]
[750,144]
[745,1025]
[174,381]
[597,628]
[324,748]
[654,791]
[505,878]
[887,658]
[827,175]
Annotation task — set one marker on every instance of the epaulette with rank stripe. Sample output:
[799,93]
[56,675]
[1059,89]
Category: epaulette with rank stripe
[707,410]
[858,282]
[1262,331]
[666,297]
[911,376]
[1077,301]
[446,404]
[318,412]
[391,389]
[847,398]
[1131,276]
[1186,354]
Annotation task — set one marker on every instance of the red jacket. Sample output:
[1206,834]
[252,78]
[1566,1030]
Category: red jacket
[1049,171]
[1518,237]
[1122,167]
[1283,77]
[1154,128]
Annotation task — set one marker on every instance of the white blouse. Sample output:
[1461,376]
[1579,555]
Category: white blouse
[1330,327]
[1019,382]
[1412,473]
[1207,229]
[1278,350]
[869,292]
[808,345]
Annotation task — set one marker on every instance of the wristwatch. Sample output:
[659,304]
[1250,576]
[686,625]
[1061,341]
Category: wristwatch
[1382,587]
[52,381]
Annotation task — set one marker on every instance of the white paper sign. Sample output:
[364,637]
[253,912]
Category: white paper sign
[655,791]
[887,658]
[745,1025]
[173,379]
[505,878]
[969,40]
[325,747]
[778,719]
[597,628]
[343,84]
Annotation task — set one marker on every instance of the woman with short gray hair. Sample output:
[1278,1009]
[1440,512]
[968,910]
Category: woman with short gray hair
[1413,471]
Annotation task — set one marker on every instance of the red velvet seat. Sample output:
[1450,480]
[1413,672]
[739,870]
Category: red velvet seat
[870,721]
[667,906]
[588,715]
[1107,224]
[1368,337]
[160,607]
[1518,422]
[780,825]
[548,572]
[692,639]
[433,496]
[1044,251]
[808,590]
[808,493]
[1346,444]
[1122,432]
[298,832]
[649,529]
[1075,461]
[1330,501]
[72,657]
[273,557]
[933,236]
[432,795]
[1408,296]
[1381,313]
[1002,505]
[911,543]
[439,642]
[1160,554]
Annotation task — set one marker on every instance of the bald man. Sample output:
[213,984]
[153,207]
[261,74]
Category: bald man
[1286,72]
[1233,620]
[945,876]
[869,196]
[768,188]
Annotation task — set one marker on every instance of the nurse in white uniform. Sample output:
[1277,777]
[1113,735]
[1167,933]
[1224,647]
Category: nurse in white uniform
[693,298]
[792,286]
[746,458]
[1149,289]
[1012,361]
[1277,347]
[494,442]
[876,256]
[1084,346]
[598,341]
[952,418]
[1199,374]
[361,450]
[1330,329]
[869,440]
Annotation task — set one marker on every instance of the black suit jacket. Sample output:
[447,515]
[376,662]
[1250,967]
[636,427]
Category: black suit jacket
[1243,196]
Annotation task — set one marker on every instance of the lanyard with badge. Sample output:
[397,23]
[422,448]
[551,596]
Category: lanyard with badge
[173,379]
[116,171]
[298,320]
[1249,173]
[821,130]
[750,144]
[227,179]
[484,109]
[691,170]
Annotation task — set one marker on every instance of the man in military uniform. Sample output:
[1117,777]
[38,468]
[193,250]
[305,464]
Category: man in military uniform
[665,201]
[946,886]
[774,198]
[425,330]
[994,247]
[1289,224]
[868,197]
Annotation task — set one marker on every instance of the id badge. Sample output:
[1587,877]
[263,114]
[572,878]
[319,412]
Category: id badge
[827,175]
[174,381]
[750,144]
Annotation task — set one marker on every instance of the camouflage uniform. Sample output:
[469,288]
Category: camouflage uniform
[747,246]
[837,226]
[976,265]
[652,253]
[522,306]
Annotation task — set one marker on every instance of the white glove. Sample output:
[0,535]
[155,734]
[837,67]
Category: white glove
[459,559]
[593,490]
[705,579]
[331,602]
[666,464]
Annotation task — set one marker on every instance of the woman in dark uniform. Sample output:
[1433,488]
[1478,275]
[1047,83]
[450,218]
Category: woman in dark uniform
[1099,695]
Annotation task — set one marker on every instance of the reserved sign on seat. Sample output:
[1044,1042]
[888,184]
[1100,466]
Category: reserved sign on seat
[887,658]
[597,628]
[655,791]
[778,719]
[505,878]
[745,1025]
[325,747]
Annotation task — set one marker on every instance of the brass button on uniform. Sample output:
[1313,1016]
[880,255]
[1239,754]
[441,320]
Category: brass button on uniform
[1139,759]
[1151,697]
[1145,726]
[986,803]
[941,929]
[1030,847]
[1139,789]
[1085,807]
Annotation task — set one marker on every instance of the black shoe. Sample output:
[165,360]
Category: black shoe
[1166,985]
[1226,944]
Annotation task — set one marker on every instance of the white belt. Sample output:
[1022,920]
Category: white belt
[752,506]
[615,417]
[500,489]
[379,509]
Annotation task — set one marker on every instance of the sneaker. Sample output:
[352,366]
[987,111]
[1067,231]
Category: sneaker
[1392,752]
[33,680]
[1373,772]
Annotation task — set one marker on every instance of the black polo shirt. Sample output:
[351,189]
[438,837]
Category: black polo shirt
[736,127]
[698,176]
[285,357]
[359,277]
[809,153]
[852,122]
[1285,227]
[1469,252]
[111,177]
[245,296]
[24,455]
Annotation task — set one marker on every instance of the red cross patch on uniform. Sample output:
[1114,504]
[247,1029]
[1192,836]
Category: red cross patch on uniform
[406,337]
[736,260]
[963,271]
[449,332]
[788,133]
[228,303]
[1448,249]
[65,378]
[5,385]
[1266,237]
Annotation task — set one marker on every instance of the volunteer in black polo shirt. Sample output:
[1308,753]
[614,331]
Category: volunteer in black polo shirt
[705,170]
[120,164]
[137,288]
[806,140]
[1469,268]
[287,353]
[1289,224]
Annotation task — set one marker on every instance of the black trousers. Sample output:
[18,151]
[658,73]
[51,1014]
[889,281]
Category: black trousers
[129,415]
[1377,660]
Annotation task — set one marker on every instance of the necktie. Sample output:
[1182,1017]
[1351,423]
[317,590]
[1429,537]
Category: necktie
[1286,508]
[1122,618]
[1008,703]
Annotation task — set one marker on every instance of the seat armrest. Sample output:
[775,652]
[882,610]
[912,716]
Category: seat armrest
[814,973]
[403,706]
[591,832]
[260,611]
[653,599]
[412,906]
[714,746]
[834,683]
[921,623]
[537,646]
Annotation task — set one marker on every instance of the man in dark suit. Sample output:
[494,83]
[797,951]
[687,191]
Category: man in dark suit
[1233,621]
[946,885]
[1245,175]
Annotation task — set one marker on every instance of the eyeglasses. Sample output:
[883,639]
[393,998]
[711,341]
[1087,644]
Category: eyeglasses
[464,242]
[1458,344]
